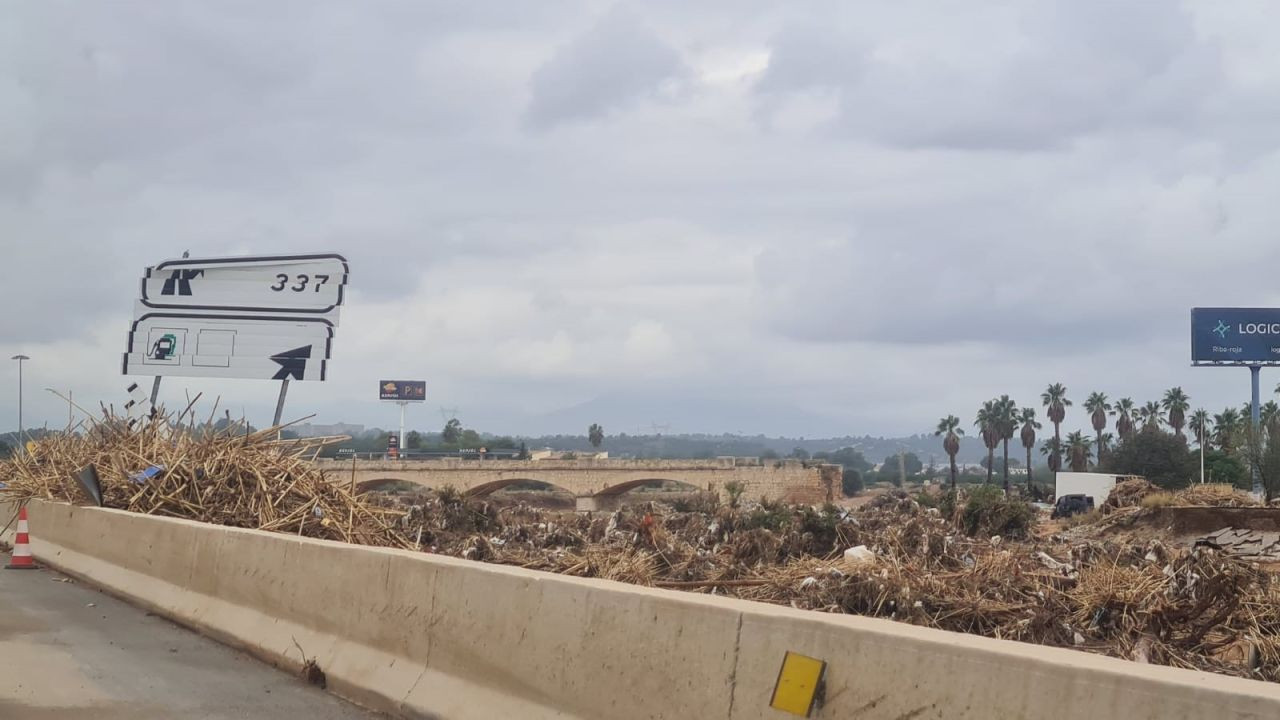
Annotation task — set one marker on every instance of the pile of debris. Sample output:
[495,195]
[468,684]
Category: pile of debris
[1256,545]
[960,566]
[1215,495]
[1132,492]
[188,470]
[900,560]
[1128,494]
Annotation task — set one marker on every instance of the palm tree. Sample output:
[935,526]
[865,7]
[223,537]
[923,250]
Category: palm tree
[1126,412]
[1271,418]
[949,428]
[1055,400]
[1006,425]
[1176,403]
[1151,417]
[1052,449]
[1246,411]
[987,420]
[1199,425]
[1107,440]
[1029,427]
[1098,408]
[595,435]
[1079,451]
[1226,425]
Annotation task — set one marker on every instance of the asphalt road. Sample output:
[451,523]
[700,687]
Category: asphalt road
[70,652]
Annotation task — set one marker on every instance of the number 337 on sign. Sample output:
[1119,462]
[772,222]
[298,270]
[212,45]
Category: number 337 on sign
[298,283]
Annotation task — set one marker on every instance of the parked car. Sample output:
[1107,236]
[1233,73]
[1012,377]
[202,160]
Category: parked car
[1069,505]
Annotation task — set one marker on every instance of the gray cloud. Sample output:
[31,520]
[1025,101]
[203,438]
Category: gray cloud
[614,63]
[1054,71]
[819,218]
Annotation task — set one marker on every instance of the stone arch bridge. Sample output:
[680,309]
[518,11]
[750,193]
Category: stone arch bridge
[599,484]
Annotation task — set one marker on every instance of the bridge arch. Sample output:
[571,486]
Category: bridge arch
[383,482]
[628,486]
[503,483]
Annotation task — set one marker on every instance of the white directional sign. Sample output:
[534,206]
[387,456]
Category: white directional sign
[306,284]
[265,317]
[190,340]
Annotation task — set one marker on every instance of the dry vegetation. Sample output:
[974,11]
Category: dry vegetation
[973,564]
[221,477]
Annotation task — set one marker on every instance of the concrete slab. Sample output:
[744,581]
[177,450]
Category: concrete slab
[70,652]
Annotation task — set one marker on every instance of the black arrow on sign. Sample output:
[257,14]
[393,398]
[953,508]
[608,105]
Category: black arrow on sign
[292,362]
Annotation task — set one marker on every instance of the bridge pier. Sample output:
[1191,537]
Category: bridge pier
[598,503]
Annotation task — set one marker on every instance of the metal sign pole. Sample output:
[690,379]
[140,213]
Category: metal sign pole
[284,389]
[155,390]
[21,444]
[1255,371]
[1202,455]
[402,405]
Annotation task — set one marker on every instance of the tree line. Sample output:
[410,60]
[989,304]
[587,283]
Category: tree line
[1148,439]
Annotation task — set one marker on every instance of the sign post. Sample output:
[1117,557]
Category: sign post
[1238,337]
[268,317]
[402,405]
[1255,408]
[284,390]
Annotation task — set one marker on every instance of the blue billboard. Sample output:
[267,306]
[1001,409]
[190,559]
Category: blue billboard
[1235,336]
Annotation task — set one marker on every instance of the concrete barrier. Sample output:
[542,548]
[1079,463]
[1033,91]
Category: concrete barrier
[425,636]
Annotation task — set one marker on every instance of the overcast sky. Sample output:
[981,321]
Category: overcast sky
[766,217]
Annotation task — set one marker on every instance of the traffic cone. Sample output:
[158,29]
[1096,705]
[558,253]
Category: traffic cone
[21,558]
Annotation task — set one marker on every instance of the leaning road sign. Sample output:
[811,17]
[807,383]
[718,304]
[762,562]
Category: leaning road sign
[265,317]
[305,284]
[158,336]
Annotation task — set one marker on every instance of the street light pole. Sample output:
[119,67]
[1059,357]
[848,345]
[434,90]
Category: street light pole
[20,359]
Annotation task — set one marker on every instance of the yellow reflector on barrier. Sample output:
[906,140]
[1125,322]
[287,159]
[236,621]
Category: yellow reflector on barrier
[798,683]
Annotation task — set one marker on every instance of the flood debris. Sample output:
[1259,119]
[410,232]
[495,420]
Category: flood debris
[1247,544]
[974,563]
[175,467]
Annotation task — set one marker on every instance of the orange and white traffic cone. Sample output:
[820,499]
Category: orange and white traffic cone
[21,558]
